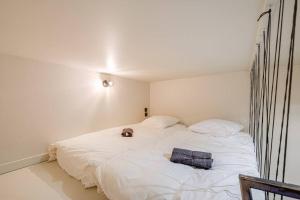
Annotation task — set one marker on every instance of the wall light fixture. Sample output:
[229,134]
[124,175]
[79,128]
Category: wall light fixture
[107,83]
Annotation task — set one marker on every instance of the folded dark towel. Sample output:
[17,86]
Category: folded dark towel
[199,163]
[127,132]
[192,154]
[195,162]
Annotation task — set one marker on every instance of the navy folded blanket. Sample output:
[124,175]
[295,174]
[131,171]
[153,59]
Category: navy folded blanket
[201,160]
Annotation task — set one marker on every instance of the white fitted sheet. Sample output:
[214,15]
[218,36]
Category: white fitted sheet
[148,173]
[80,156]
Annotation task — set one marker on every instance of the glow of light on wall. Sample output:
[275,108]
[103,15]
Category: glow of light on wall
[112,45]
[96,84]
[111,63]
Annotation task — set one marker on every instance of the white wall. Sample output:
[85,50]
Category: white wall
[194,99]
[293,149]
[41,103]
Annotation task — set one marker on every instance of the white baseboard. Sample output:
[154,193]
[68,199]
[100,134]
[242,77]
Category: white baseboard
[25,162]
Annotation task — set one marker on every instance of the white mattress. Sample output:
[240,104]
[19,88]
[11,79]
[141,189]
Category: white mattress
[80,156]
[148,174]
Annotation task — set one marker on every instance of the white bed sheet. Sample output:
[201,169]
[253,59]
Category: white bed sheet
[80,156]
[148,173]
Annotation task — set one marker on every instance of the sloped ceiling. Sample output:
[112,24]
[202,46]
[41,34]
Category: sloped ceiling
[140,39]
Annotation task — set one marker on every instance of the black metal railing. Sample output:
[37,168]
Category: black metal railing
[284,189]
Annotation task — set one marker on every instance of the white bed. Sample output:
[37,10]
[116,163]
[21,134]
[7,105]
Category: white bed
[80,156]
[139,167]
[148,173]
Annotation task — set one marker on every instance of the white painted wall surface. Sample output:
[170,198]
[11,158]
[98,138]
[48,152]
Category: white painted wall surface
[194,99]
[293,150]
[41,103]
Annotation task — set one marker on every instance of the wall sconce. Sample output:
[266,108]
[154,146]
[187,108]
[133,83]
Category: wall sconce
[107,83]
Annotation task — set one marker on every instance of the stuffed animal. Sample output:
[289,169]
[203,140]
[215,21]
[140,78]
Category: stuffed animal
[127,132]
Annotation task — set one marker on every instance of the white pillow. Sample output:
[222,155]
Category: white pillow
[217,127]
[160,121]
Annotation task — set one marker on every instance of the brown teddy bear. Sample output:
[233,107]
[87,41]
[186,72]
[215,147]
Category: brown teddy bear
[127,132]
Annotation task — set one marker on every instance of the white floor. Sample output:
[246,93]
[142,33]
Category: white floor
[45,181]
